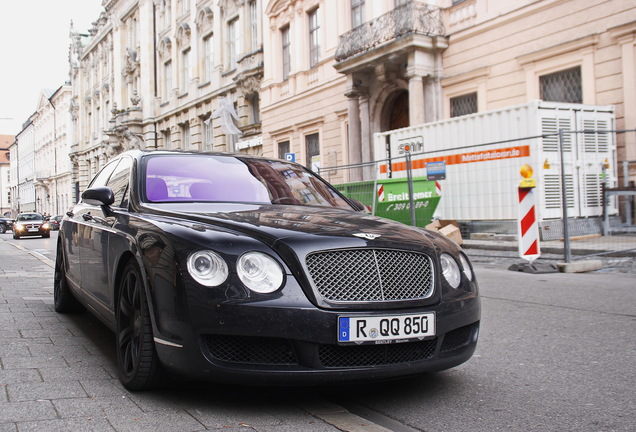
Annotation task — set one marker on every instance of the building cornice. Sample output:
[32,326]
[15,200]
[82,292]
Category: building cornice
[476,74]
[556,50]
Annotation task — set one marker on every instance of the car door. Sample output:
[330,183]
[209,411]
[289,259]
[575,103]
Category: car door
[76,230]
[97,262]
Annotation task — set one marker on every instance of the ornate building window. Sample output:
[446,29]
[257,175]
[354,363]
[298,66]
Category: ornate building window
[312,149]
[254,103]
[208,58]
[463,105]
[184,7]
[167,139]
[185,136]
[167,14]
[208,134]
[314,38]
[286,54]
[562,86]
[357,13]
[254,17]
[232,43]
[283,147]
[167,80]
[185,70]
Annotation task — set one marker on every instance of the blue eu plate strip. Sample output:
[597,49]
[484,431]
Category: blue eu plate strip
[343,329]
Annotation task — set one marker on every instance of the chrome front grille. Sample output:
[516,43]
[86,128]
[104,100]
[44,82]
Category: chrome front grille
[367,275]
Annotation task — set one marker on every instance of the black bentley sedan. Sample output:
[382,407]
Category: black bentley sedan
[245,269]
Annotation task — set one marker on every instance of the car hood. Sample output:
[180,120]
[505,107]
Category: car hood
[295,225]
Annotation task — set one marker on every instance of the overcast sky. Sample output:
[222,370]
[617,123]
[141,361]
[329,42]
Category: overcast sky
[34,45]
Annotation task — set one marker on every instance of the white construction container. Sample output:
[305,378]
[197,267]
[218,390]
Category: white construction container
[484,153]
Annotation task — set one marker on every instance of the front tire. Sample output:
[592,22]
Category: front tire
[3,229]
[137,360]
[16,236]
[63,299]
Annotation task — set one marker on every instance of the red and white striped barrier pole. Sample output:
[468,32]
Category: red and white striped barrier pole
[528,225]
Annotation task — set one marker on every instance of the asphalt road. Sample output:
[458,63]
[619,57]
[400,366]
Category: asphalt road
[556,353]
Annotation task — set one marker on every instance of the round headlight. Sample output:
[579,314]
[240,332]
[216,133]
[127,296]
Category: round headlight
[466,266]
[450,270]
[207,268]
[259,272]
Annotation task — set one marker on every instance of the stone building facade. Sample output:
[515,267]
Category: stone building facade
[5,174]
[166,74]
[52,166]
[317,78]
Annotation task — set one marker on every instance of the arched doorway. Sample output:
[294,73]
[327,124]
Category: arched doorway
[396,112]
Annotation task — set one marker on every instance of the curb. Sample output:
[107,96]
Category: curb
[49,262]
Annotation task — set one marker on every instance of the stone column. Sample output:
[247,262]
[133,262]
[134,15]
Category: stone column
[416,100]
[365,130]
[354,147]
[432,99]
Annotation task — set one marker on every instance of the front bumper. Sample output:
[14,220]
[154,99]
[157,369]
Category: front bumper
[25,232]
[291,342]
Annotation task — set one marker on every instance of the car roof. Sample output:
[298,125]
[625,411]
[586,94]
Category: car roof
[145,153]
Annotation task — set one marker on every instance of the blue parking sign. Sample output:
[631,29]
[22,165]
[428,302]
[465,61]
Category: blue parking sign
[291,157]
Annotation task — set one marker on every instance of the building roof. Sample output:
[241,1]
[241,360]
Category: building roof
[6,141]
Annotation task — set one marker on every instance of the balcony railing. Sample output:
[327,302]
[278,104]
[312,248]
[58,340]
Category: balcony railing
[411,18]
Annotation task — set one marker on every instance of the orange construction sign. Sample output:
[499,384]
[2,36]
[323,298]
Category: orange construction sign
[479,156]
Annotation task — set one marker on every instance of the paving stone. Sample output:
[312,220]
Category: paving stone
[27,411]
[95,407]
[68,425]
[30,391]
[16,376]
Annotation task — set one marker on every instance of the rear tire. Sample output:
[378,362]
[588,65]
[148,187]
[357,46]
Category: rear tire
[63,299]
[137,359]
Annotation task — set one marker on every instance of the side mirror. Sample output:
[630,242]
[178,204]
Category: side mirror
[99,196]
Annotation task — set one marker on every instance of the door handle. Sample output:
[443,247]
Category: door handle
[87,217]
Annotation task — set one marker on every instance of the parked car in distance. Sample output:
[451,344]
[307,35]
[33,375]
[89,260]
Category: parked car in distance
[55,222]
[239,268]
[31,224]
[5,224]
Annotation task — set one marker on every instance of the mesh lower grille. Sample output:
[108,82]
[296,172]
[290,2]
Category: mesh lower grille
[332,356]
[456,338]
[363,275]
[254,350]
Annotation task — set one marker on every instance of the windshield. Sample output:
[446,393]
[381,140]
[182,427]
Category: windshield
[209,178]
[29,217]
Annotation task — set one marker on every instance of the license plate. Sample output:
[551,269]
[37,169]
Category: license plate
[33,230]
[385,328]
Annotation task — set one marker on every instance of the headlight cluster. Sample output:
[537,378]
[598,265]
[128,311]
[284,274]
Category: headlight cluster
[46,226]
[18,227]
[451,270]
[207,268]
[258,271]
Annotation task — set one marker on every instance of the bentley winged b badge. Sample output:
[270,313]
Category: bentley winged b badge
[367,236]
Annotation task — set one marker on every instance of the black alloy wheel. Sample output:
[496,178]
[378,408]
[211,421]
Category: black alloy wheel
[137,360]
[63,299]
